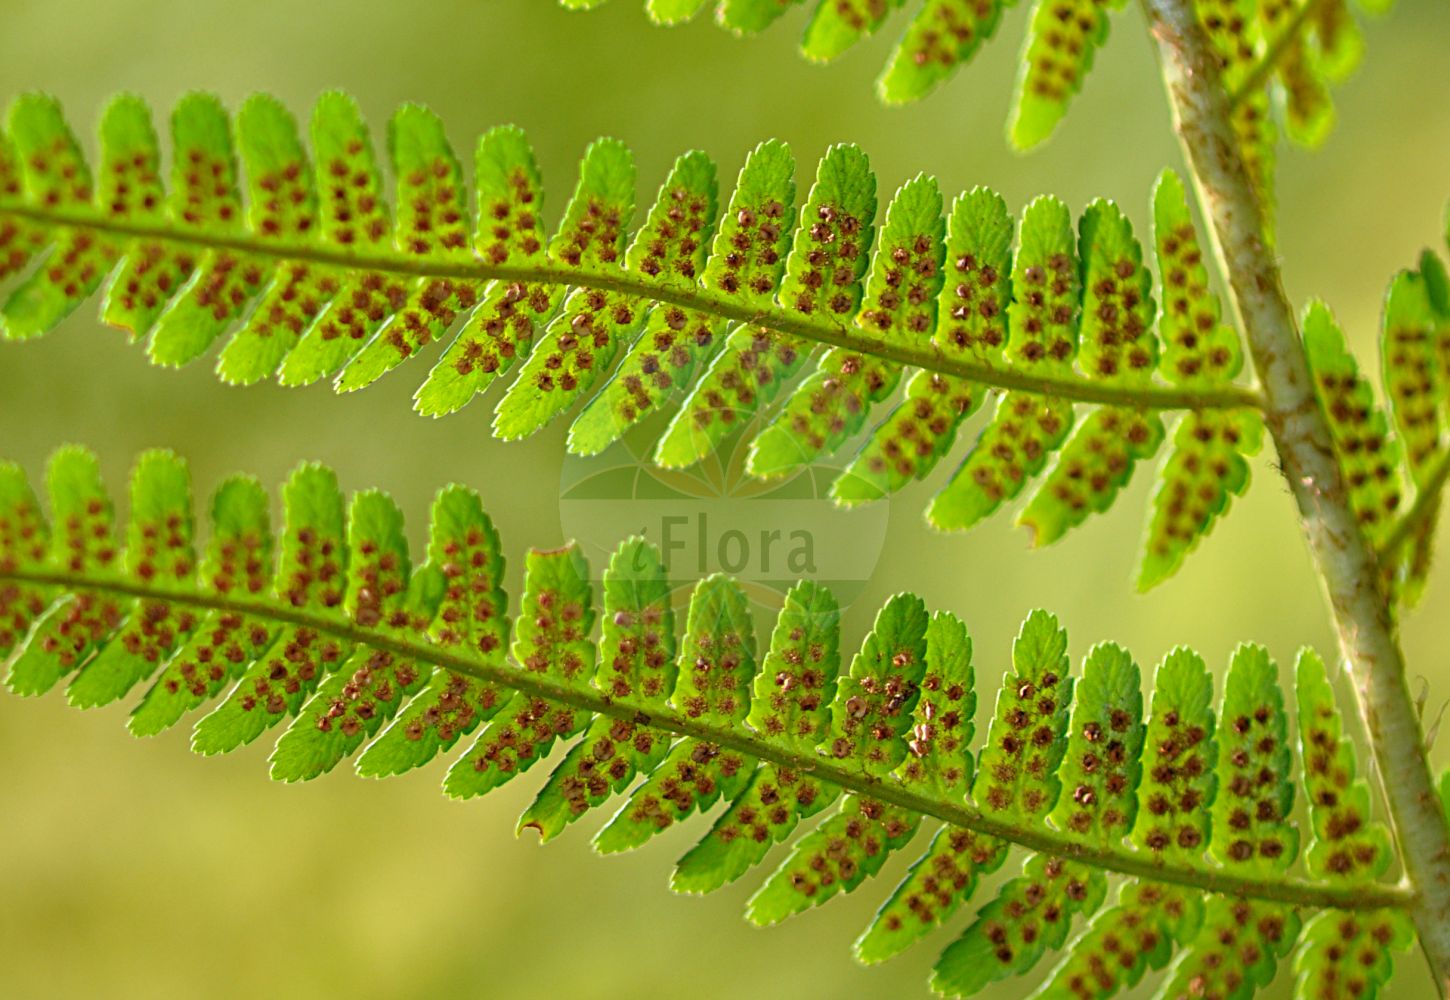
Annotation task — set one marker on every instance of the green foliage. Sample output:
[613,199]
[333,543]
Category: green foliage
[309,575]
[1173,822]
[1206,465]
[1340,954]
[391,664]
[1367,453]
[1042,323]
[291,259]
[1062,39]
[1117,346]
[1239,942]
[1017,772]
[1394,463]
[1275,54]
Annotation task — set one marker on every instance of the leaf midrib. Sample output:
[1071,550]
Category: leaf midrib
[1291,890]
[822,330]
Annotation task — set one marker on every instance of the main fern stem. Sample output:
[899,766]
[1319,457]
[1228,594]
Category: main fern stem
[1346,563]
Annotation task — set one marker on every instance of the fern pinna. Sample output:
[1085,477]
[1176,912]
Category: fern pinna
[330,629]
[782,324]
[779,319]
[1273,54]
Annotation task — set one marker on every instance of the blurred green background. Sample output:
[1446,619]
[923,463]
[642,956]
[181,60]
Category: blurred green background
[135,869]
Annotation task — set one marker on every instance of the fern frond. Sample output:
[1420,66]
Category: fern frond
[315,276]
[367,656]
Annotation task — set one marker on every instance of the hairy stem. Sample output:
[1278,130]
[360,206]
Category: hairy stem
[1346,562]
[1294,891]
[817,328]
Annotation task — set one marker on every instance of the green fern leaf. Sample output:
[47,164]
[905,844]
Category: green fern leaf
[24,540]
[1107,731]
[1408,362]
[1308,109]
[935,887]
[348,210]
[19,240]
[65,636]
[636,662]
[130,183]
[592,237]
[790,707]
[158,546]
[1062,40]
[1026,429]
[835,27]
[1031,914]
[1415,365]
[1172,821]
[1251,812]
[431,225]
[672,11]
[1098,764]
[473,617]
[280,207]
[1240,941]
[900,297]
[310,577]
[1123,942]
[55,175]
[1017,772]
[510,230]
[671,249]
[1341,954]
[350,634]
[355,216]
[316,281]
[1206,465]
[295,292]
[747,263]
[1277,58]
[1236,32]
[944,34]
[922,428]
[236,561]
[823,275]
[716,665]
[938,758]
[746,17]
[870,714]
[1346,840]
[1336,44]
[550,639]
[1367,453]
[351,705]
[1117,345]
[837,857]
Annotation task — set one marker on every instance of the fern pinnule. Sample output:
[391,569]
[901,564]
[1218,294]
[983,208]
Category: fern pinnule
[367,656]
